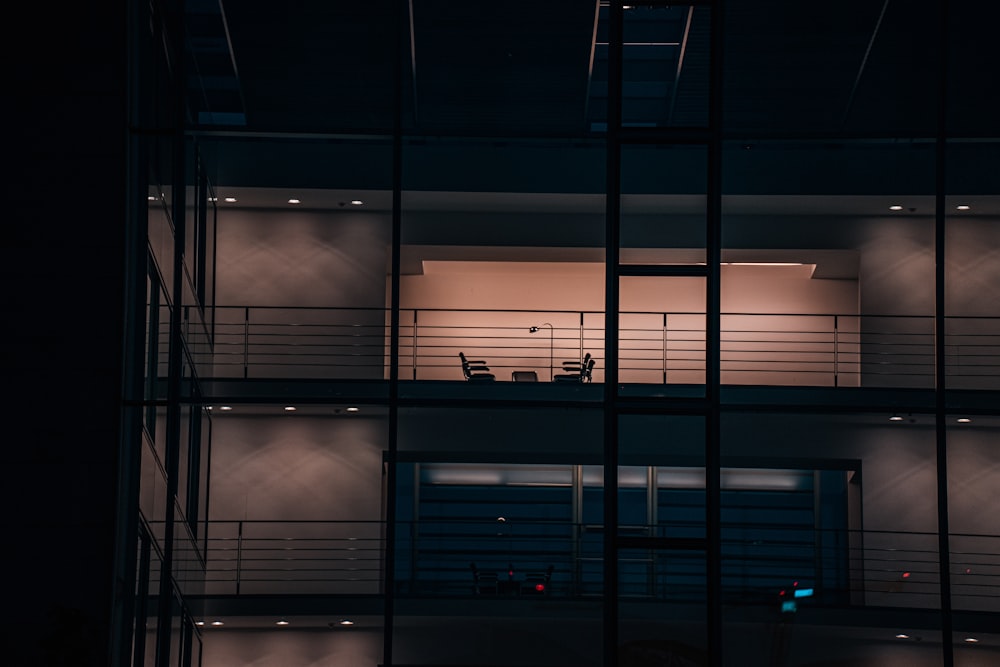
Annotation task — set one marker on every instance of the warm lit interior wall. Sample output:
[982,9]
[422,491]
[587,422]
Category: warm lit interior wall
[296,467]
[302,258]
[355,647]
[561,293]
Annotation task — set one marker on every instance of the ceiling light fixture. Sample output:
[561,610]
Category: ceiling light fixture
[356,202]
[294,201]
[346,621]
[226,408]
[199,623]
[895,418]
[895,207]
[902,636]
[971,640]
[281,622]
[231,200]
[963,207]
[218,624]
[151,198]
[353,409]
[964,420]
[290,408]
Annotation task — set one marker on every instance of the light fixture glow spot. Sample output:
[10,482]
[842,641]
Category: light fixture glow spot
[906,575]
[213,199]
[971,640]
[353,409]
[895,207]
[963,207]
[895,418]
[151,198]
[346,621]
[294,201]
[356,202]
[218,624]
[290,408]
[225,408]
[902,636]
[964,420]
[231,200]
[199,623]
[281,622]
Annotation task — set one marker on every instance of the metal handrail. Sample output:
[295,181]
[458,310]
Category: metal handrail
[883,568]
[833,349]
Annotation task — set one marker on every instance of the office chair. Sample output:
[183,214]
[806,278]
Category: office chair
[577,371]
[476,371]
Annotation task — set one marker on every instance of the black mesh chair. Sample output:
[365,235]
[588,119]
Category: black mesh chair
[476,371]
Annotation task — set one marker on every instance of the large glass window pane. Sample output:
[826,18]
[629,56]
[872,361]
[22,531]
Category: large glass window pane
[663,214]
[828,513]
[828,264]
[296,499]
[661,540]
[661,335]
[492,522]
[972,273]
[302,249]
[502,259]
[862,69]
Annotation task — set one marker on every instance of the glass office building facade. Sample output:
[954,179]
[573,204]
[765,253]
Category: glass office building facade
[560,333]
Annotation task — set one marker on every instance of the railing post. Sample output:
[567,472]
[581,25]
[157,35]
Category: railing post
[581,337]
[664,348]
[246,342]
[836,350]
[413,345]
[239,556]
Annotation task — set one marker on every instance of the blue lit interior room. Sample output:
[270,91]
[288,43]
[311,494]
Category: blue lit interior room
[525,334]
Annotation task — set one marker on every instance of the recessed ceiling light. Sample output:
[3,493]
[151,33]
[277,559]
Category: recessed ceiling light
[964,420]
[213,199]
[356,202]
[226,408]
[218,623]
[353,409]
[902,636]
[231,200]
[290,408]
[151,198]
[346,621]
[294,201]
[971,640]
[199,623]
[963,207]
[895,418]
[895,207]
[281,622]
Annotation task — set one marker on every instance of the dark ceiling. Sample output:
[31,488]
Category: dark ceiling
[311,77]
[530,68]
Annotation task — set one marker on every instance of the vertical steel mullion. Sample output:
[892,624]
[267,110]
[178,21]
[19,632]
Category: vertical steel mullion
[940,385]
[713,323]
[400,34]
[175,39]
[611,304]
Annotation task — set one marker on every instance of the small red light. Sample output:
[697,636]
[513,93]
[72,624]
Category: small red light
[968,570]
[781,593]
[906,575]
[539,587]
[795,583]
[510,573]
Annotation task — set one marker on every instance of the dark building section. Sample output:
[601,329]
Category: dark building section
[521,335]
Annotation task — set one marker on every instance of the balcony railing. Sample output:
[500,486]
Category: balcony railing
[665,563]
[832,350]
